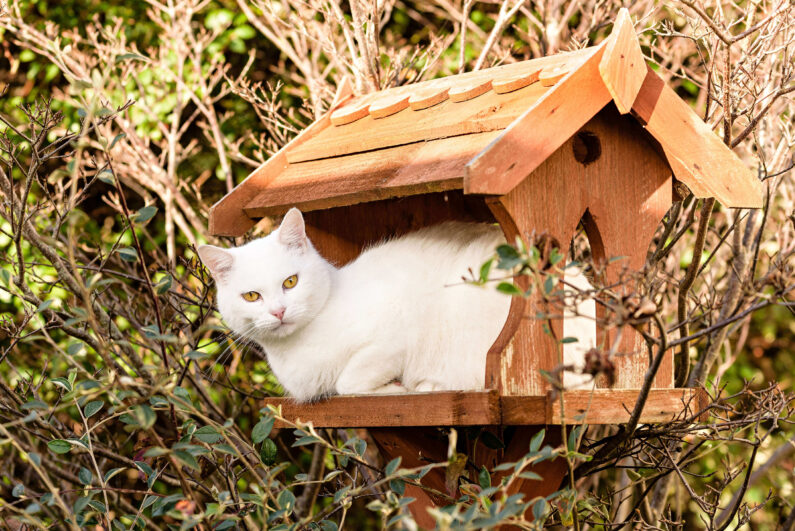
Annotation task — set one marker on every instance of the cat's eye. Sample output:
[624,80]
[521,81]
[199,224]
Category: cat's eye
[290,282]
[251,296]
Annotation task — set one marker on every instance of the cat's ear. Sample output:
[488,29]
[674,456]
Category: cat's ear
[218,261]
[292,232]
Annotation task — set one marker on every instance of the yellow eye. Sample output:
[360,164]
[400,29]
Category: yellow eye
[251,296]
[290,282]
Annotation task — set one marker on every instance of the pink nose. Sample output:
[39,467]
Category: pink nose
[278,313]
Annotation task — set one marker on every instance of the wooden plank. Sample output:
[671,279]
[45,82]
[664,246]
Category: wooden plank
[227,217]
[488,112]
[420,167]
[447,408]
[626,190]
[552,74]
[629,190]
[387,106]
[428,97]
[614,406]
[463,92]
[623,67]
[520,149]
[702,161]
[509,84]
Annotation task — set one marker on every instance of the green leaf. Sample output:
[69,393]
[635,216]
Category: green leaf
[268,452]
[85,476]
[398,486]
[163,285]
[535,442]
[508,257]
[18,491]
[92,408]
[59,446]
[567,340]
[34,404]
[392,466]
[359,447]
[509,289]
[144,416]
[262,429]
[155,451]
[106,176]
[44,305]
[74,349]
[35,458]
[196,355]
[484,478]
[186,459]
[80,504]
[116,139]
[286,500]
[130,56]
[225,524]
[144,215]
[208,434]
[485,269]
[112,472]
[63,382]
[128,254]
[33,508]
[550,283]
[531,475]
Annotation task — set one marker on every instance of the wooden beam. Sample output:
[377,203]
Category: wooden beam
[697,156]
[601,406]
[411,169]
[448,408]
[623,67]
[486,408]
[227,217]
[539,131]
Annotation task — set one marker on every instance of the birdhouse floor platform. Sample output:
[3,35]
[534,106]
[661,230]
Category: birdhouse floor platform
[486,408]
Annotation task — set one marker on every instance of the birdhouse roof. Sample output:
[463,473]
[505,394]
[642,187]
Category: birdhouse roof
[482,132]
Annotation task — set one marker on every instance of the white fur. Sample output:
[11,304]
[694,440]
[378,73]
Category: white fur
[399,312]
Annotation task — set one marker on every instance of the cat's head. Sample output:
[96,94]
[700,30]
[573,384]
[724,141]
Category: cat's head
[273,286]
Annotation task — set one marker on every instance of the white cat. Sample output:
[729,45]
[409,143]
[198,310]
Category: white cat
[398,318]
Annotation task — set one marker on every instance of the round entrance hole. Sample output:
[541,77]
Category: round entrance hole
[586,147]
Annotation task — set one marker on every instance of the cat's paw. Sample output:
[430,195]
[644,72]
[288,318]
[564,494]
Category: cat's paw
[390,389]
[427,386]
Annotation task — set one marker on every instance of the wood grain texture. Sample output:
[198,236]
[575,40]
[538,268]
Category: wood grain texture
[505,85]
[702,161]
[450,408]
[614,406]
[467,91]
[625,192]
[428,97]
[483,408]
[552,74]
[520,148]
[623,67]
[417,168]
[387,106]
[488,112]
[227,216]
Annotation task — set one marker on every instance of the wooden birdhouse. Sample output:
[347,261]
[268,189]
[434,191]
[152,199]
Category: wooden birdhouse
[537,146]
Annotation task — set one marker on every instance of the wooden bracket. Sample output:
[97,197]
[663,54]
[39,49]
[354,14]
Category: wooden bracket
[623,67]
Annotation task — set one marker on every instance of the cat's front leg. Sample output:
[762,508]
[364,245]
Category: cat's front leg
[370,371]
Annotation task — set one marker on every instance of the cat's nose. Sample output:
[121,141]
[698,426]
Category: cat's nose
[278,313]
